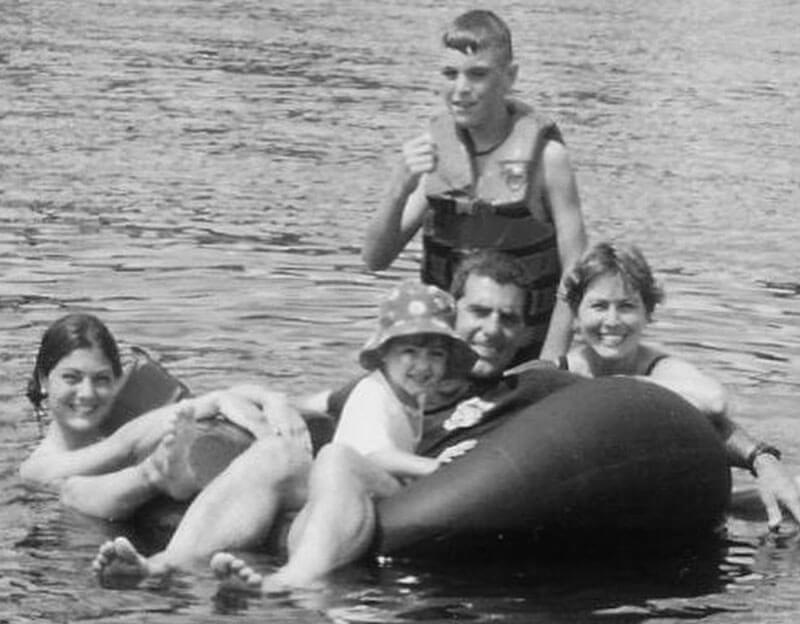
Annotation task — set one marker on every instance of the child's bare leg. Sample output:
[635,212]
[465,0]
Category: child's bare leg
[337,525]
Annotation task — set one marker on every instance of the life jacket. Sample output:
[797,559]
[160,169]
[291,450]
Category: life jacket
[503,207]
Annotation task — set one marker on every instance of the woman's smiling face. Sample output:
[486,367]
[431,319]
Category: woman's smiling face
[611,317]
[80,391]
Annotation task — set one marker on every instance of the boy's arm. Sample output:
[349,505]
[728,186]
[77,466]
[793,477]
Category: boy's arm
[400,214]
[565,206]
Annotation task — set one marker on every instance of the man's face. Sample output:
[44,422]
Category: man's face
[490,317]
[474,86]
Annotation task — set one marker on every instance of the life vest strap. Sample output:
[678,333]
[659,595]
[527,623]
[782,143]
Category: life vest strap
[461,204]
[439,248]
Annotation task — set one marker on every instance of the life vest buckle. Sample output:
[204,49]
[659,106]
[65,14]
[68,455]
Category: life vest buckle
[471,206]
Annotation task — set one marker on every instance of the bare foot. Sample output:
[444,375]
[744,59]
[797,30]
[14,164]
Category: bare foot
[166,467]
[286,579]
[119,558]
[234,573]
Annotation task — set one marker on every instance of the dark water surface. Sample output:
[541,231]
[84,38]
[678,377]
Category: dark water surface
[199,174]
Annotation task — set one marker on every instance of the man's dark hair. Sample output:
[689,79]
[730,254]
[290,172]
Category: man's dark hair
[496,265]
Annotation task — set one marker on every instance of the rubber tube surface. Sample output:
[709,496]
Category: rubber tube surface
[605,455]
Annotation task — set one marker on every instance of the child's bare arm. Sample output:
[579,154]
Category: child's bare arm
[402,464]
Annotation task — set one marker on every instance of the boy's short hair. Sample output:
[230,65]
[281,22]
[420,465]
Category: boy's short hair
[478,30]
[614,259]
[498,266]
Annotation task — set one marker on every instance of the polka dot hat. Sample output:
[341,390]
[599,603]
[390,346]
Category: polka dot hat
[414,308]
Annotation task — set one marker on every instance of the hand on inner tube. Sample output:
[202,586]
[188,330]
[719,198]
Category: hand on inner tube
[262,412]
[776,489]
[235,408]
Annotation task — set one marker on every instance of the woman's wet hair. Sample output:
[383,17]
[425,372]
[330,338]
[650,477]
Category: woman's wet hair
[479,30]
[67,334]
[607,258]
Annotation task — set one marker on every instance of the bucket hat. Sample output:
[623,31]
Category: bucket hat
[413,308]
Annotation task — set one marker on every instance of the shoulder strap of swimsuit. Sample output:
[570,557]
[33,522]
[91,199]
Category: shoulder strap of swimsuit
[654,362]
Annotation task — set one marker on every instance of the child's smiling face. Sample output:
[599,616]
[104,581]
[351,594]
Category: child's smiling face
[415,364]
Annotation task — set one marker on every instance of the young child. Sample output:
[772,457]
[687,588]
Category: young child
[415,358]
[411,357]
[489,173]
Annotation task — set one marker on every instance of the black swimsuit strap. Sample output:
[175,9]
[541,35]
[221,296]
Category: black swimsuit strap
[654,362]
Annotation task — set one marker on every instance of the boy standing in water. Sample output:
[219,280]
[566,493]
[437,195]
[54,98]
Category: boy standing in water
[488,174]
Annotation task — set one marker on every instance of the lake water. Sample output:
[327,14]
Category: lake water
[199,174]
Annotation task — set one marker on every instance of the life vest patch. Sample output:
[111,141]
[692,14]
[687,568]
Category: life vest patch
[515,174]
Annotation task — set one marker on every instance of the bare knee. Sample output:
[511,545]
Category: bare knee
[340,500]
[335,464]
[337,456]
[268,461]
[341,471]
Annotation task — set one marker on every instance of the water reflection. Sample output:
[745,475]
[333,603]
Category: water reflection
[200,173]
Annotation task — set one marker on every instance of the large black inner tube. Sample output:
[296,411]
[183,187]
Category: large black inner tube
[606,456]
